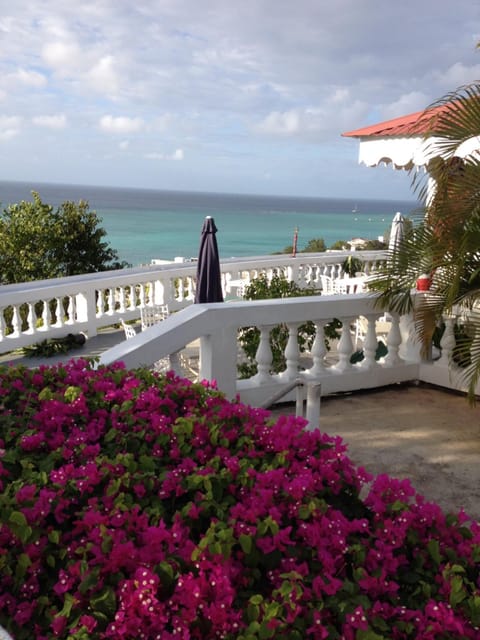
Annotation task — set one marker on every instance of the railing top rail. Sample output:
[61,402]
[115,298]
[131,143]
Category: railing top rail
[182,268]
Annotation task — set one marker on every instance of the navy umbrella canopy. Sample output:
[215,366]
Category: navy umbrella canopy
[209,281]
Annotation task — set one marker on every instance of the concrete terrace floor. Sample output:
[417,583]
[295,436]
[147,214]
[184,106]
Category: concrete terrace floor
[415,431]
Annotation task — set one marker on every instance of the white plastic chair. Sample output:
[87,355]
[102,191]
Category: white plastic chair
[129,330]
[340,286]
[153,314]
[327,285]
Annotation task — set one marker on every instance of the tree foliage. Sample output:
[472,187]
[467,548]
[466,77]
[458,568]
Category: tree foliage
[445,241]
[40,242]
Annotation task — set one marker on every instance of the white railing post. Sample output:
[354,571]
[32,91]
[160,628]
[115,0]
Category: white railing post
[394,340]
[292,354]
[264,356]
[411,348]
[86,310]
[46,316]
[448,342]
[370,344]
[314,396]
[318,351]
[345,347]
[218,359]
[31,319]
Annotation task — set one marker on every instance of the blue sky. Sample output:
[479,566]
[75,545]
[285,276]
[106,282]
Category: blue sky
[242,96]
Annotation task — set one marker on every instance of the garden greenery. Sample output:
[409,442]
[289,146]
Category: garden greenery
[136,506]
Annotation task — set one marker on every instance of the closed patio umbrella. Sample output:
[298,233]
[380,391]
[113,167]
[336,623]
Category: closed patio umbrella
[209,281]
[396,232]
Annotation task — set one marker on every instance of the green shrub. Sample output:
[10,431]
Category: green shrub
[134,506]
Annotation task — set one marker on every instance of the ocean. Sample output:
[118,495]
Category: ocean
[143,224]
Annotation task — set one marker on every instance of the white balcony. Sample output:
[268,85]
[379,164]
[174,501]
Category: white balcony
[32,312]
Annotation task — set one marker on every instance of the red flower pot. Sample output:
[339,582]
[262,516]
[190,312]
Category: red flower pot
[423,283]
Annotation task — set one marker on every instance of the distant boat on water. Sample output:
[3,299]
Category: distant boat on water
[355,209]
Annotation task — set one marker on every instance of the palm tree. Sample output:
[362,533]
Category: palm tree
[445,241]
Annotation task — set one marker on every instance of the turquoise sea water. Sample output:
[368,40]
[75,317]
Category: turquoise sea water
[142,224]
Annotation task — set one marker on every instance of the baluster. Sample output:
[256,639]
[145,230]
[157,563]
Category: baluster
[131,298]
[448,342]
[31,319]
[318,351]
[345,347]
[394,340]
[190,289]
[264,356]
[71,310]
[370,344]
[176,287]
[141,295]
[46,315]
[100,303]
[16,322]
[110,302]
[58,312]
[121,299]
[3,326]
[292,353]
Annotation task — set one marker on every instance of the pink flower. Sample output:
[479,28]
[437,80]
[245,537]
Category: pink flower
[88,622]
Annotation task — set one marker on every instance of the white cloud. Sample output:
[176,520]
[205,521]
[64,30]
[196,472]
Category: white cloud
[103,76]
[314,123]
[224,82]
[178,154]
[29,78]
[121,124]
[58,121]
[10,127]
[63,57]
[458,74]
[407,103]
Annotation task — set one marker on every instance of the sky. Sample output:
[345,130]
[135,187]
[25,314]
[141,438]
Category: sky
[237,96]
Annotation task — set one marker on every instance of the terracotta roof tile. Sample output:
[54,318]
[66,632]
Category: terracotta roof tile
[413,124]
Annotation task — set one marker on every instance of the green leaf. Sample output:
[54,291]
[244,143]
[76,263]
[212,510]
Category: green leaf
[434,550]
[105,602]
[68,603]
[72,393]
[23,562]
[54,536]
[245,542]
[368,634]
[89,581]
[457,591]
[45,394]
[17,518]
[19,526]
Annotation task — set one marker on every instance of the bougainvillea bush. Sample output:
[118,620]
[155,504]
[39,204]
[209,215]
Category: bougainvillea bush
[135,506]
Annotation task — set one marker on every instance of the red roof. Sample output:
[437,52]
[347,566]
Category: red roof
[413,124]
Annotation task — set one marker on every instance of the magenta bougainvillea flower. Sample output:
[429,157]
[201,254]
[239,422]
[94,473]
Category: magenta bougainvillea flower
[137,506]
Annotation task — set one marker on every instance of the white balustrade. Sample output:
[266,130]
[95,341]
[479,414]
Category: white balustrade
[217,326]
[88,302]
[31,312]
